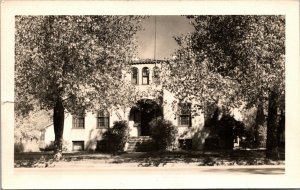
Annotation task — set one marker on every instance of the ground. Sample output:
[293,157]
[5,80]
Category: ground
[252,161]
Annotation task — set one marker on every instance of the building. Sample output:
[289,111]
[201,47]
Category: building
[83,132]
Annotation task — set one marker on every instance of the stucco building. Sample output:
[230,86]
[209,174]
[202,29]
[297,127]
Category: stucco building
[84,132]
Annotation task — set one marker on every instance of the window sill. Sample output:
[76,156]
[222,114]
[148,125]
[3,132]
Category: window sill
[184,126]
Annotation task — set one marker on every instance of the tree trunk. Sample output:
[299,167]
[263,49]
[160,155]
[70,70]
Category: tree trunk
[58,120]
[259,124]
[272,126]
[281,127]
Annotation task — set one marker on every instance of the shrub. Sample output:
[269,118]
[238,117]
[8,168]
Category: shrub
[116,137]
[18,147]
[50,146]
[31,146]
[223,132]
[26,146]
[164,134]
[212,143]
[102,145]
[185,144]
[262,136]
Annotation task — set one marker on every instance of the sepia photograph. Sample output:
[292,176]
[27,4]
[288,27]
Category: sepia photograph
[200,94]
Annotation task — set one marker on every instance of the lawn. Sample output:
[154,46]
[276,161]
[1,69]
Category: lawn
[148,159]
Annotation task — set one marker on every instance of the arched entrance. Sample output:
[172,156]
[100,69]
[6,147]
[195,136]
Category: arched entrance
[143,113]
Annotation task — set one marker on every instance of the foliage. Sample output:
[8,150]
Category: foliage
[164,134]
[153,159]
[248,49]
[223,132]
[262,135]
[227,56]
[185,144]
[31,125]
[70,63]
[72,57]
[253,135]
[229,59]
[27,145]
[116,137]
[51,146]
[192,81]
[238,127]
[18,147]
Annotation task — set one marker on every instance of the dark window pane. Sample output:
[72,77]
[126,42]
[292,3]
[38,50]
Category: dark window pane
[184,120]
[185,109]
[185,114]
[145,71]
[145,74]
[134,78]
[103,119]
[78,122]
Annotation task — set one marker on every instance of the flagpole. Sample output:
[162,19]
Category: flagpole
[154,39]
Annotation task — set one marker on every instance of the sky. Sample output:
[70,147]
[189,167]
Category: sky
[166,28]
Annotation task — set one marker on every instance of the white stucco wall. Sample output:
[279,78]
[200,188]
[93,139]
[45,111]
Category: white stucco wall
[195,132]
[90,134]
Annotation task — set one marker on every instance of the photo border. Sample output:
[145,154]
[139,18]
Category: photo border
[18,178]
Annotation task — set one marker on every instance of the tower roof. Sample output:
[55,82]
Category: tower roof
[146,61]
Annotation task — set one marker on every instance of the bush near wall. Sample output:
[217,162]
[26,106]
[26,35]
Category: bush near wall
[26,145]
[50,146]
[164,134]
[115,138]
[223,132]
[18,147]
[262,136]
[249,141]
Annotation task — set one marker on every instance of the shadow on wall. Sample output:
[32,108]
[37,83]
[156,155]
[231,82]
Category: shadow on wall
[219,132]
[27,145]
[222,132]
[197,135]
[199,138]
[94,137]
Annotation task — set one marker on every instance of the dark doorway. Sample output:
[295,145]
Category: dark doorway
[144,112]
[147,115]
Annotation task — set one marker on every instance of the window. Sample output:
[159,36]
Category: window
[77,145]
[103,119]
[43,132]
[78,121]
[135,76]
[145,74]
[185,114]
[156,77]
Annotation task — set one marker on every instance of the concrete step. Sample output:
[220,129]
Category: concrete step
[141,143]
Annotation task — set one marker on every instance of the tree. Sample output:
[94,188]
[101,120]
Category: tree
[247,51]
[72,63]
[31,126]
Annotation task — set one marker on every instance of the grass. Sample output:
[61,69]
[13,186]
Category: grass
[148,159]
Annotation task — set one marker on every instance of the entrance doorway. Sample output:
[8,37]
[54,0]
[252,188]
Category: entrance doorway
[144,112]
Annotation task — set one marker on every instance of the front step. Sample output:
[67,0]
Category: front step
[139,144]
